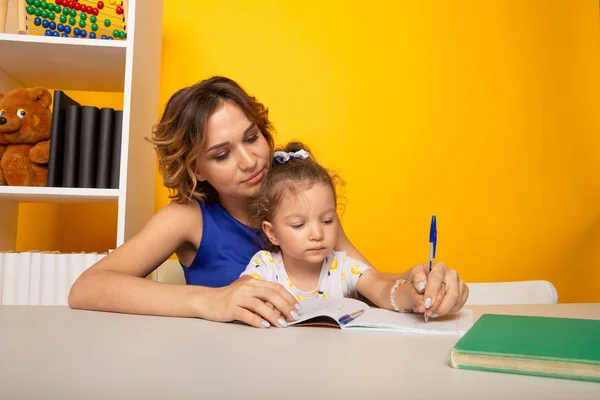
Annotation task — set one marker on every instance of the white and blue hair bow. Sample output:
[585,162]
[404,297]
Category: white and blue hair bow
[282,157]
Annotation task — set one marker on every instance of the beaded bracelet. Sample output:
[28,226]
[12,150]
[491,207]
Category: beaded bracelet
[393,295]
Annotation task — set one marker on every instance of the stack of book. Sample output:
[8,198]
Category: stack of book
[85,145]
[41,278]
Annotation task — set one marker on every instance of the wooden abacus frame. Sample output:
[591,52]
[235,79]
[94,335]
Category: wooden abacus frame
[14,19]
[13,16]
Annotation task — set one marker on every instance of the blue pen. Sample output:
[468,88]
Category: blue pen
[432,241]
[344,319]
[432,248]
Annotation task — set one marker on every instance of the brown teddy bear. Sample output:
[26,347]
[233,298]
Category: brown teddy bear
[25,122]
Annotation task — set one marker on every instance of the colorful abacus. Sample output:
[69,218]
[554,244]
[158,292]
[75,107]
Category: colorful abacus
[77,18]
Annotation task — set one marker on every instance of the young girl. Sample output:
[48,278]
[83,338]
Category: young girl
[296,207]
[214,143]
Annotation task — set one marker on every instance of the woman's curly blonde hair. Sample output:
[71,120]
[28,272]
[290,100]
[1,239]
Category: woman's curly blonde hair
[178,138]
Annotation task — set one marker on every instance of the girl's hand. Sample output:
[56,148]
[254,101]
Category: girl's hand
[442,290]
[252,301]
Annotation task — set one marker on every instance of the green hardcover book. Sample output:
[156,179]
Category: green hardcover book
[543,346]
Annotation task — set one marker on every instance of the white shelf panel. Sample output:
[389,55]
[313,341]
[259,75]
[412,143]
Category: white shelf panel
[64,63]
[58,194]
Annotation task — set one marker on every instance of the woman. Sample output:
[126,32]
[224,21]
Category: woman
[214,143]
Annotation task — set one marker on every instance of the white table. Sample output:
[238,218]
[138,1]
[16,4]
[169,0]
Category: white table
[58,353]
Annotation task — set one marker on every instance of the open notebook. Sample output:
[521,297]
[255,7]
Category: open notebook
[325,312]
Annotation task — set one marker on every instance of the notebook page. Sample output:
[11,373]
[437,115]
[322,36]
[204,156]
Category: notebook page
[380,319]
[331,308]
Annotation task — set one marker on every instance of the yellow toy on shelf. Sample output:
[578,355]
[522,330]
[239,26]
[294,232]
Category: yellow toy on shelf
[76,18]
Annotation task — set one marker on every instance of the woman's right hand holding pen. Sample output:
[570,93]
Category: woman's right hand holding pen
[438,292]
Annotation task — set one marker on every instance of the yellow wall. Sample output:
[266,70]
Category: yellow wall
[484,113]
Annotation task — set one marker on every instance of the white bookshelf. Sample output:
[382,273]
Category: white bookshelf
[80,64]
[130,66]
[58,195]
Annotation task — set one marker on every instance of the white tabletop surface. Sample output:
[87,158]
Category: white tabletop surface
[49,352]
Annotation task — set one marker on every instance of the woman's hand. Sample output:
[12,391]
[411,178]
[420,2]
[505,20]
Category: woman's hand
[252,301]
[438,292]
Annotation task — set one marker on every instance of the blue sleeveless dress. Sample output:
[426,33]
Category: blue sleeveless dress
[226,248]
